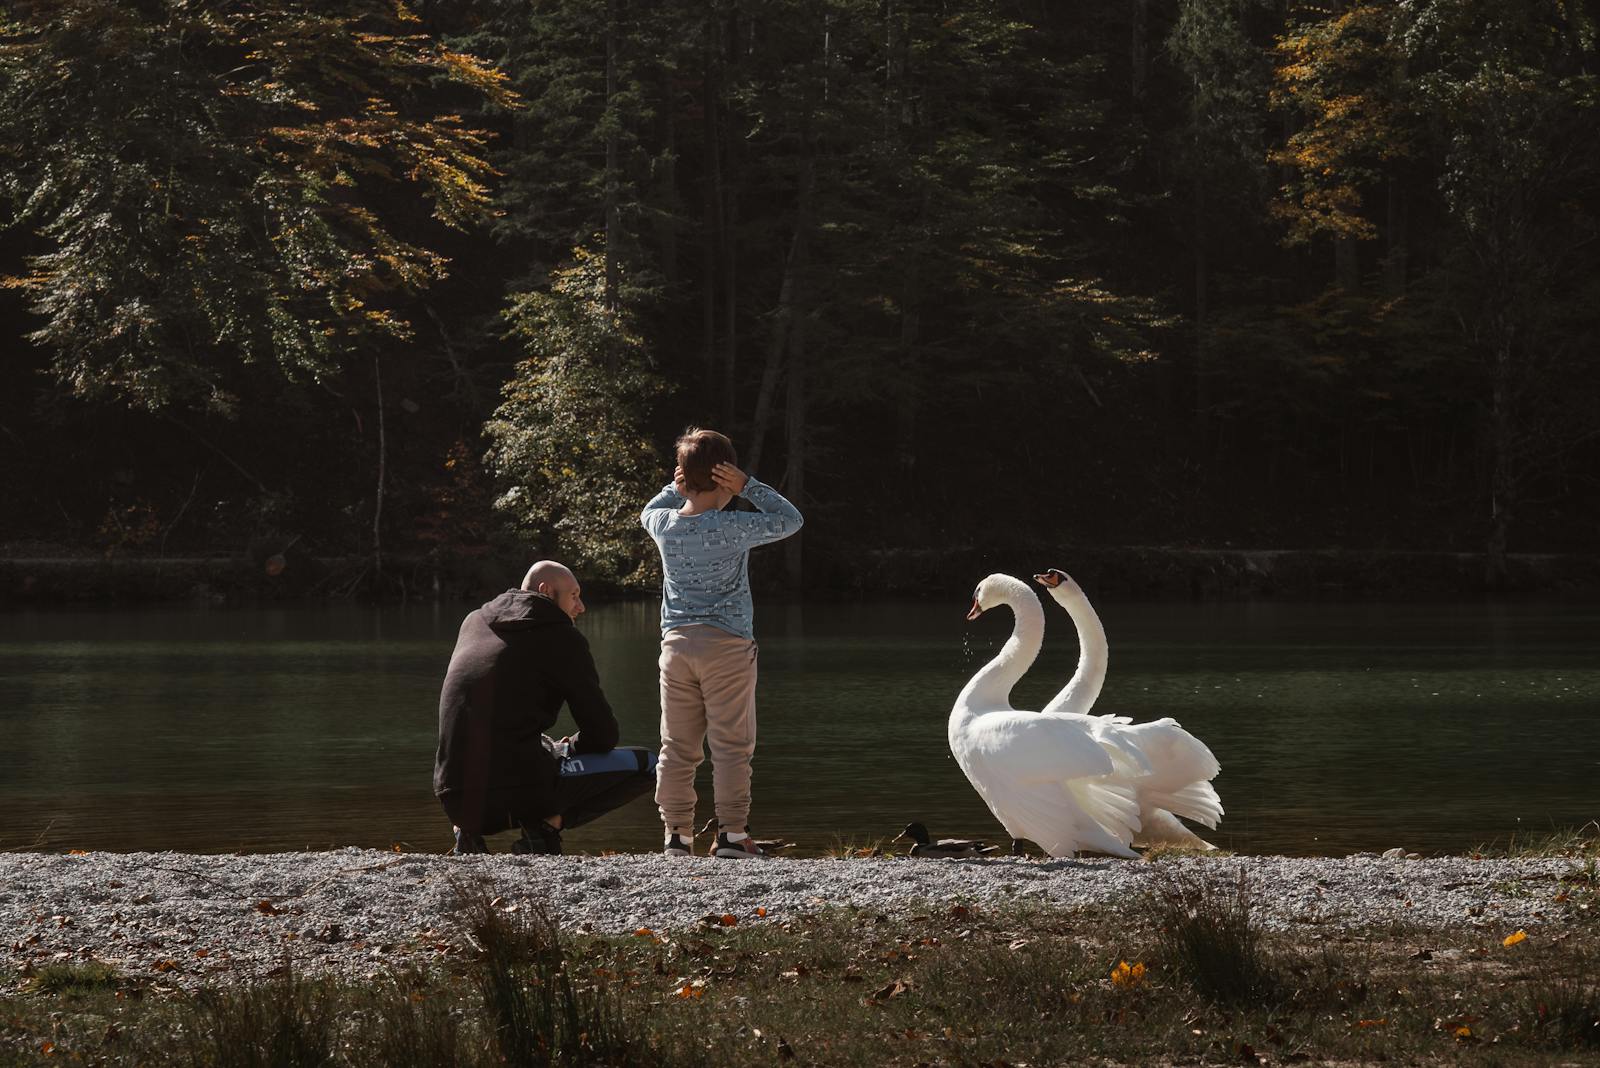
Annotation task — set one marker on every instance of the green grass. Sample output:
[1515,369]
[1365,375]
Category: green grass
[950,985]
[1577,842]
[69,980]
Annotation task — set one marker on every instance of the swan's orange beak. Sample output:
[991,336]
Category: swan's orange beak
[1050,579]
[976,611]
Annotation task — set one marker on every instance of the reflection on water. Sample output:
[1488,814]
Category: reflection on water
[1339,726]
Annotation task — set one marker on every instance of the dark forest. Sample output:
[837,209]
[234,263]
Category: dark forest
[429,285]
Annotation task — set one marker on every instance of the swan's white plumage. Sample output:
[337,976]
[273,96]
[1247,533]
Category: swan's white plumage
[1171,778]
[1045,777]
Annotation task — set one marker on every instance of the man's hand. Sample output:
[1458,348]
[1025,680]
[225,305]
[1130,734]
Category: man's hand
[730,478]
[677,482]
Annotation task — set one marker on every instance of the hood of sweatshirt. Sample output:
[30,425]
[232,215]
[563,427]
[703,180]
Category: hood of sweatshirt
[523,610]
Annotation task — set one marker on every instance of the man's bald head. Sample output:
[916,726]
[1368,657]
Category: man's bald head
[557,582]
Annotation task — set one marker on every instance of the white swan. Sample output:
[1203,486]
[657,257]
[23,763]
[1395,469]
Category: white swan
[1172,774]
[1042,775]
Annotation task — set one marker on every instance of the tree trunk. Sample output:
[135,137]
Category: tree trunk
[781,319]
[711,224]
[726,42]
[613,160]
[667,189]
[1502,475]
[1346,266]
[909,371]
[1394,264]
[1138,51]
[794,479]
[1202,282]
[730,310]
[383,457]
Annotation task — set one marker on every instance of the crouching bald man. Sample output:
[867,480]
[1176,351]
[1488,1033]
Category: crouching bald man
[516,661]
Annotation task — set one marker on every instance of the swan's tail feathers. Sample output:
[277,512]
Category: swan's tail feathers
[1163,828]
[1197,801]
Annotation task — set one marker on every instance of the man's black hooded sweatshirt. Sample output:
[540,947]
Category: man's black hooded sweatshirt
[517,659]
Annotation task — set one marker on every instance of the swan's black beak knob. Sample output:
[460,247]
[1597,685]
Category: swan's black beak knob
[1052,578]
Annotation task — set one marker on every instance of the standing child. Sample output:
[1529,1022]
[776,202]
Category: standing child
[708,648]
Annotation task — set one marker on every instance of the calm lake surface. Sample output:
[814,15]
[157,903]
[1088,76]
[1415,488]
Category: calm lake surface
[1340,727]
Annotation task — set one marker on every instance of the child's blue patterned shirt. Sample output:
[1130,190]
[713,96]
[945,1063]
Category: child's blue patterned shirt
[706,557]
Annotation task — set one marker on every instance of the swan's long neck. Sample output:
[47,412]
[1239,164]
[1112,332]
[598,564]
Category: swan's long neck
[990,688]
[1081,692]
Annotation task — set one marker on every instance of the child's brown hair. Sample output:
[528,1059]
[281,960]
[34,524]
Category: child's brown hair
[698,452]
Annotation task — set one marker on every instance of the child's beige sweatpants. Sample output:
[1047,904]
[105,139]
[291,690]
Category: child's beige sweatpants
[708,694]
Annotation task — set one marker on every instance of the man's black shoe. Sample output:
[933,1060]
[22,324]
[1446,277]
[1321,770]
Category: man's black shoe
[540,838]
[468,843]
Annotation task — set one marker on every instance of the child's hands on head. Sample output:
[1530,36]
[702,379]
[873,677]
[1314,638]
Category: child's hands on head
[730,478]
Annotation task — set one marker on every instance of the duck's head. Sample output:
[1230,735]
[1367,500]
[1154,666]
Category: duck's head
[1055,577]
[992,591]
[916,832]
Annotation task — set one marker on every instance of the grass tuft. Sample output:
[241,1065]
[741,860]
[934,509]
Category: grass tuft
[74,979]
[851,849]
[538,1010]
[1562,1011]
[413,1026]
[284,1023]
[1206,934]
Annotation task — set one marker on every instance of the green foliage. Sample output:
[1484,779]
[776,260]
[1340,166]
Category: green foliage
[568,446]
[556,178]
[863,235]
[212,185]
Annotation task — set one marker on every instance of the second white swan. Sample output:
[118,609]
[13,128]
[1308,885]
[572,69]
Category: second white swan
[1171,775]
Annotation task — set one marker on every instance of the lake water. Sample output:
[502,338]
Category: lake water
[1340,727]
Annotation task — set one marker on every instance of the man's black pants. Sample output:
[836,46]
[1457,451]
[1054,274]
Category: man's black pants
[589,786]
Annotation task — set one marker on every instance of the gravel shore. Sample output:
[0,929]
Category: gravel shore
[189,919]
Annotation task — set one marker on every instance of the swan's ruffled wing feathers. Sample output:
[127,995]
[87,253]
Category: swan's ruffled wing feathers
[1050,815]
[1030,747]
[1130,761]
[1043,777]
[1176,757]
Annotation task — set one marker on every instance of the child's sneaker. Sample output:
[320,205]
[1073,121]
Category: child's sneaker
[678,845]
[744,848]
[468,843]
